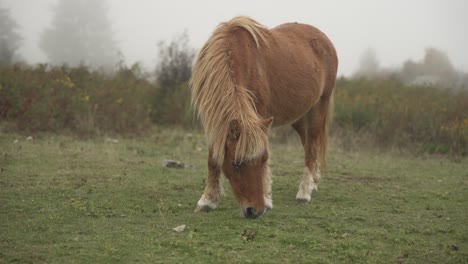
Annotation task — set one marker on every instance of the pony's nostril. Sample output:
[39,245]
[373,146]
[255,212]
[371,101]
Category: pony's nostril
[250,212]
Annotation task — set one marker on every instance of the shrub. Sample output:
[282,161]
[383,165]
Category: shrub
[44,98]
[171,103]
[86,102]
[399,115]
[173,107]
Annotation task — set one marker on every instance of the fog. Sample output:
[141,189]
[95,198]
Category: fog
[395,30]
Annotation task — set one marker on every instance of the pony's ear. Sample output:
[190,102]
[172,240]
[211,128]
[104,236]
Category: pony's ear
[266,122]
[234,129]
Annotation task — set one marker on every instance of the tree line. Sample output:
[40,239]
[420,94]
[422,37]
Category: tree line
[435,69]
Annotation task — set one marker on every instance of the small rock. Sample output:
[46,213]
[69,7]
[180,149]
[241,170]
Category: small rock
[29,138]
[174,164]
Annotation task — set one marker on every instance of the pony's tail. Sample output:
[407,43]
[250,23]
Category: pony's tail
[323,136]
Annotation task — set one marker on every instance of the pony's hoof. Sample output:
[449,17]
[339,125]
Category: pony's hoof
[203,209]
[302,201]
[307,198]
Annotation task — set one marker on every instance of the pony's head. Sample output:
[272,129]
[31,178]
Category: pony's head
[247,177]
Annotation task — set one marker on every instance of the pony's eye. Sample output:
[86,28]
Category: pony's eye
[236,165]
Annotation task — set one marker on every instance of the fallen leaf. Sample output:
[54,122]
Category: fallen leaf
[179,228]
[112,140]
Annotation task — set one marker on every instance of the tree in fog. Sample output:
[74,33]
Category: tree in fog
[9,38]
[175,61]
[438,63]
[435,68]
[80,34]
[369,66]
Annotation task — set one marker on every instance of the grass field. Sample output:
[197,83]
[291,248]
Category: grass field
[104,200]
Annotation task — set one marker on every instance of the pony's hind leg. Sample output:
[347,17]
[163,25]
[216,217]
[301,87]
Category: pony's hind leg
[312,129]
[213,190]
[308,185]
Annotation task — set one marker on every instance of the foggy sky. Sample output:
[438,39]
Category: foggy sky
[396,30]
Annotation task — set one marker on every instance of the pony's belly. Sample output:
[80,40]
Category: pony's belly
[289,115]
[293,103]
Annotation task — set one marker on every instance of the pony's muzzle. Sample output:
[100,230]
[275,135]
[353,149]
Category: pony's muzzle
[251,212]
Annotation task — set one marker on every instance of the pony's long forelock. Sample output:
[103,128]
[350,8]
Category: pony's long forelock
[219,99]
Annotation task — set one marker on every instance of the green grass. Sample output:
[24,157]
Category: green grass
[65,200]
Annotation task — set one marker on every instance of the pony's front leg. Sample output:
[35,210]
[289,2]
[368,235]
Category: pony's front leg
[267,190]
[213,190]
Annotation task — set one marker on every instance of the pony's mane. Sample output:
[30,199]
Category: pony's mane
[219,99]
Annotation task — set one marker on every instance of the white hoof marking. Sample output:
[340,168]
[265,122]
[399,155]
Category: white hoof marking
[205,202]
[268,202]
[306,187]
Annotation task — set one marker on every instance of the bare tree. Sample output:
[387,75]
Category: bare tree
[172,101]
[175,61]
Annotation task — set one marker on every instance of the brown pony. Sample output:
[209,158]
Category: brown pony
[246,78]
